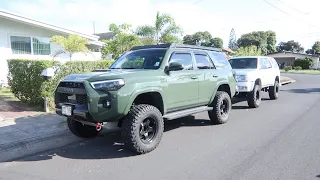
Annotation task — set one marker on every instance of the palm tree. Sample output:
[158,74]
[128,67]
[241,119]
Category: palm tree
[165,30]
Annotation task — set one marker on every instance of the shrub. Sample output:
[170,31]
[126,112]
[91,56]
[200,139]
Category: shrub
[288,68]
[297,68]
[25,78]
[303,63]
[28,85]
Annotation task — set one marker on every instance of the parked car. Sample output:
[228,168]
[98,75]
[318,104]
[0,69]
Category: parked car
[255,74]
[144,87]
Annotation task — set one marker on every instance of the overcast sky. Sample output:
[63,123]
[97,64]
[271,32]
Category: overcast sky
[290,19]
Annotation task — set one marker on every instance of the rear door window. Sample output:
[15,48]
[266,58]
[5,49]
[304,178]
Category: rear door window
[220,60]
[184,58]
[203,61]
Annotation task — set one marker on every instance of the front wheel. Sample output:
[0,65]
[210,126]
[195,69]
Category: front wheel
[274,91]
[254,97]
[143,128]
[221,108]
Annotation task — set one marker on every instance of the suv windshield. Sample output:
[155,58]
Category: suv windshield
[140,59]
[243,63]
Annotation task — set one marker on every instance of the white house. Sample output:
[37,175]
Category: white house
[288,58]
[26,38]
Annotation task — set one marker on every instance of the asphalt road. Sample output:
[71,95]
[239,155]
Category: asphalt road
[279,140]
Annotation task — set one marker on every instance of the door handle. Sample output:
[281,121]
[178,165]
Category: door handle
[194,77]
[214,75]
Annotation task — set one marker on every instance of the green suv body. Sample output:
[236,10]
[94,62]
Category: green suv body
[146,86]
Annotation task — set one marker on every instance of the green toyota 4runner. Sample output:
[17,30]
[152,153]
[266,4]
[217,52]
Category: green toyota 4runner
[144,87]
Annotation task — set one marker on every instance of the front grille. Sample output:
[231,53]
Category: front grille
[71,85]
[78,98]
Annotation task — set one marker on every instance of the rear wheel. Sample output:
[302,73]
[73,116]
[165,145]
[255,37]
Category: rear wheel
[254,97]
[274,90]
[81,130]
[143,128]
[221,108]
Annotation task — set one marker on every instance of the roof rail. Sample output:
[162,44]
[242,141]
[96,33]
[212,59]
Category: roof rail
[196,47]
[151,46]
[174,45]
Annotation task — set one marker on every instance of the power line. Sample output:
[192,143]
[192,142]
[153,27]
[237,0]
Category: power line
[289,14]
[198,1]
[293,7]
[277,8]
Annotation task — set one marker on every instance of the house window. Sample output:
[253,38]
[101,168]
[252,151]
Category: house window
[41,46]
[30,45]
[20,45]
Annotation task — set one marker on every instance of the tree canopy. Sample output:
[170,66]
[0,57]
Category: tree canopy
[123,41]
[232,40]
[165,30]
[264,40]
[316,47]
[292,46]
[204,39]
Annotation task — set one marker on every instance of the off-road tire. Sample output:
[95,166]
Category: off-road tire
[81,130]
[131,128]
[274,91]
[253,101]
[216,116]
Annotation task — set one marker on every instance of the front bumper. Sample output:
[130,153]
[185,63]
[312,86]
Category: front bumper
[245,86]
[86,103]
[77,111]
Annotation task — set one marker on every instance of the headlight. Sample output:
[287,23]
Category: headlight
[242,78]
[110,85]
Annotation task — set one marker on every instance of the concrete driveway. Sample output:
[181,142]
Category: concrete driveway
[279,140]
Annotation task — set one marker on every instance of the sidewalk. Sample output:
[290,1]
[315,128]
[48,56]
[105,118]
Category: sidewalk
[28,135]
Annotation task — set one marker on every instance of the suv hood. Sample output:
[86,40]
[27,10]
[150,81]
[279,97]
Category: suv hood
[108,74]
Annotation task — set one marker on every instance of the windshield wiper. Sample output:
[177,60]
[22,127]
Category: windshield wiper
[129,68]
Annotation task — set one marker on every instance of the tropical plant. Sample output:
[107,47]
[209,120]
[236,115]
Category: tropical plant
[72,44]
[248,51]
[165,30]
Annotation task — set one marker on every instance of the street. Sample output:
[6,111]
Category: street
[278,140]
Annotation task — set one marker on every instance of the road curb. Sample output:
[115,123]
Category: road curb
[287,82]
[25,147]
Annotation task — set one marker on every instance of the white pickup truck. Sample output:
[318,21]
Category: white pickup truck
[255,74]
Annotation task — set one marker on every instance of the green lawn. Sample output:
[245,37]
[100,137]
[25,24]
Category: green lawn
[7,96]
[6,93]
[302,71]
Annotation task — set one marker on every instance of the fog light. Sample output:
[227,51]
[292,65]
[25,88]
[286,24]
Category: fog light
[107,104]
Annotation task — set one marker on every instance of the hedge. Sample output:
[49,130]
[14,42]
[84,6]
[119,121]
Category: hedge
[25,78]
[303,63]
[29,86]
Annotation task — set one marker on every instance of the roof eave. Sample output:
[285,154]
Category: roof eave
[40,24]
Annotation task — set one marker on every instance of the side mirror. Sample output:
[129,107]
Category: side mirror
[175,66]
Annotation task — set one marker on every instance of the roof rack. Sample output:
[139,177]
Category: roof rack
[174,45]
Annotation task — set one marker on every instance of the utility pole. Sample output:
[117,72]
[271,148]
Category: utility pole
[94,27]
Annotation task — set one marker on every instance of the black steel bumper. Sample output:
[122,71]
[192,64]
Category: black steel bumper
[78,111]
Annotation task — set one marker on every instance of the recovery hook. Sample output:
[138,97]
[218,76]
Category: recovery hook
[99,126]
